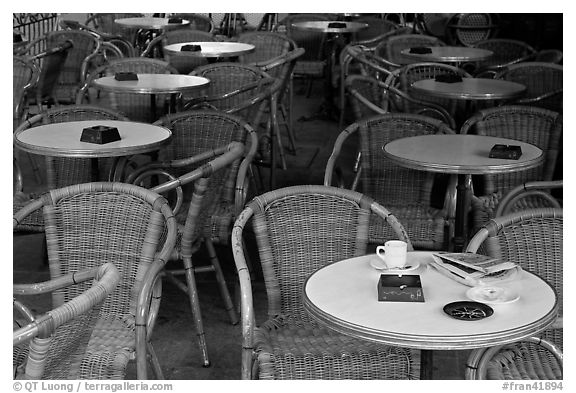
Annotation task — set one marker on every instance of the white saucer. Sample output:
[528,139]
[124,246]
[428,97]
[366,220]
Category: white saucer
[492,294]
[379,264]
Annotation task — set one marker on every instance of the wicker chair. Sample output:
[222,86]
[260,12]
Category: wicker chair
[92,223]
[505,53]
[34,222]
[537,126]
[312,64]
[406,192]
[533,239]
[137,107]
[389,49]
[417,71]
[468,29]
[61,171]
[268,46]
[250,93]
[531,195]
[370,97]
[85,46]
[212,175]
[298,230]
[543,81]
[53,345]
[25,74]
[184,64]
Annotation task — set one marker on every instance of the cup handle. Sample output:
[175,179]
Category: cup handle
[380,248]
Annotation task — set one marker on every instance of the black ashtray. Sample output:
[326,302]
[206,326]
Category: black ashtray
[100,135]
[507,152]
[448,78]
[126,76]
[337,25]
[420,50]
[175,20]
[190,48]
[468,311]
[404,288]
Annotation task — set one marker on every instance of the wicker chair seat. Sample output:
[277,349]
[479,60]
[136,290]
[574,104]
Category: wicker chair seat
[524,360]
[313,68]
[286,350]
[424,224]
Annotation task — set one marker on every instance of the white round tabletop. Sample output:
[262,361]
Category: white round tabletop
[211,49]
[150,22]
[153,84]
[459,154]
[470,89]
[63,139]
[344,297]
[450,54]
[331,26]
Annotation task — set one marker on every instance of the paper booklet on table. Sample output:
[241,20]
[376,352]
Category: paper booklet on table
[472,269]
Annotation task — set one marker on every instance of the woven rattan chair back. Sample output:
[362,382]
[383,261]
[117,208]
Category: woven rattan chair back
[532,195]
[184,64]
[554,56]
[505,52]
[298,230]
[85,46]
[417,71]
[50,349]
[543,81]
[135,229]
[533,239]
[197,131]
[390,48]
[537,126]
[61,171]
[407,192]
[268,46]
[25,75]
[229,77]
[137,107]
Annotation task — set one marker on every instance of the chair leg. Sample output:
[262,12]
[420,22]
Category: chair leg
[195,305]
[222,283]
[153,359]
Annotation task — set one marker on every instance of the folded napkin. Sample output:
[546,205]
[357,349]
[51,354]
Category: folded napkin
[126,76]
[337,25]
[448,78]
[420,50]
[175,20]
[190,48]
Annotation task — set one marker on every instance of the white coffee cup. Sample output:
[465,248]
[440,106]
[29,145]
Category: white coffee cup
[393,253]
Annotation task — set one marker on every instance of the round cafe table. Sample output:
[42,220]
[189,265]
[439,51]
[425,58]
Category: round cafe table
[63,140]
[153,84]
[211,50]
[473,89]
[462,156]
[344,297]
[449,54]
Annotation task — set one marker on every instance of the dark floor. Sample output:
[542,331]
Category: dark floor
[174,337]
